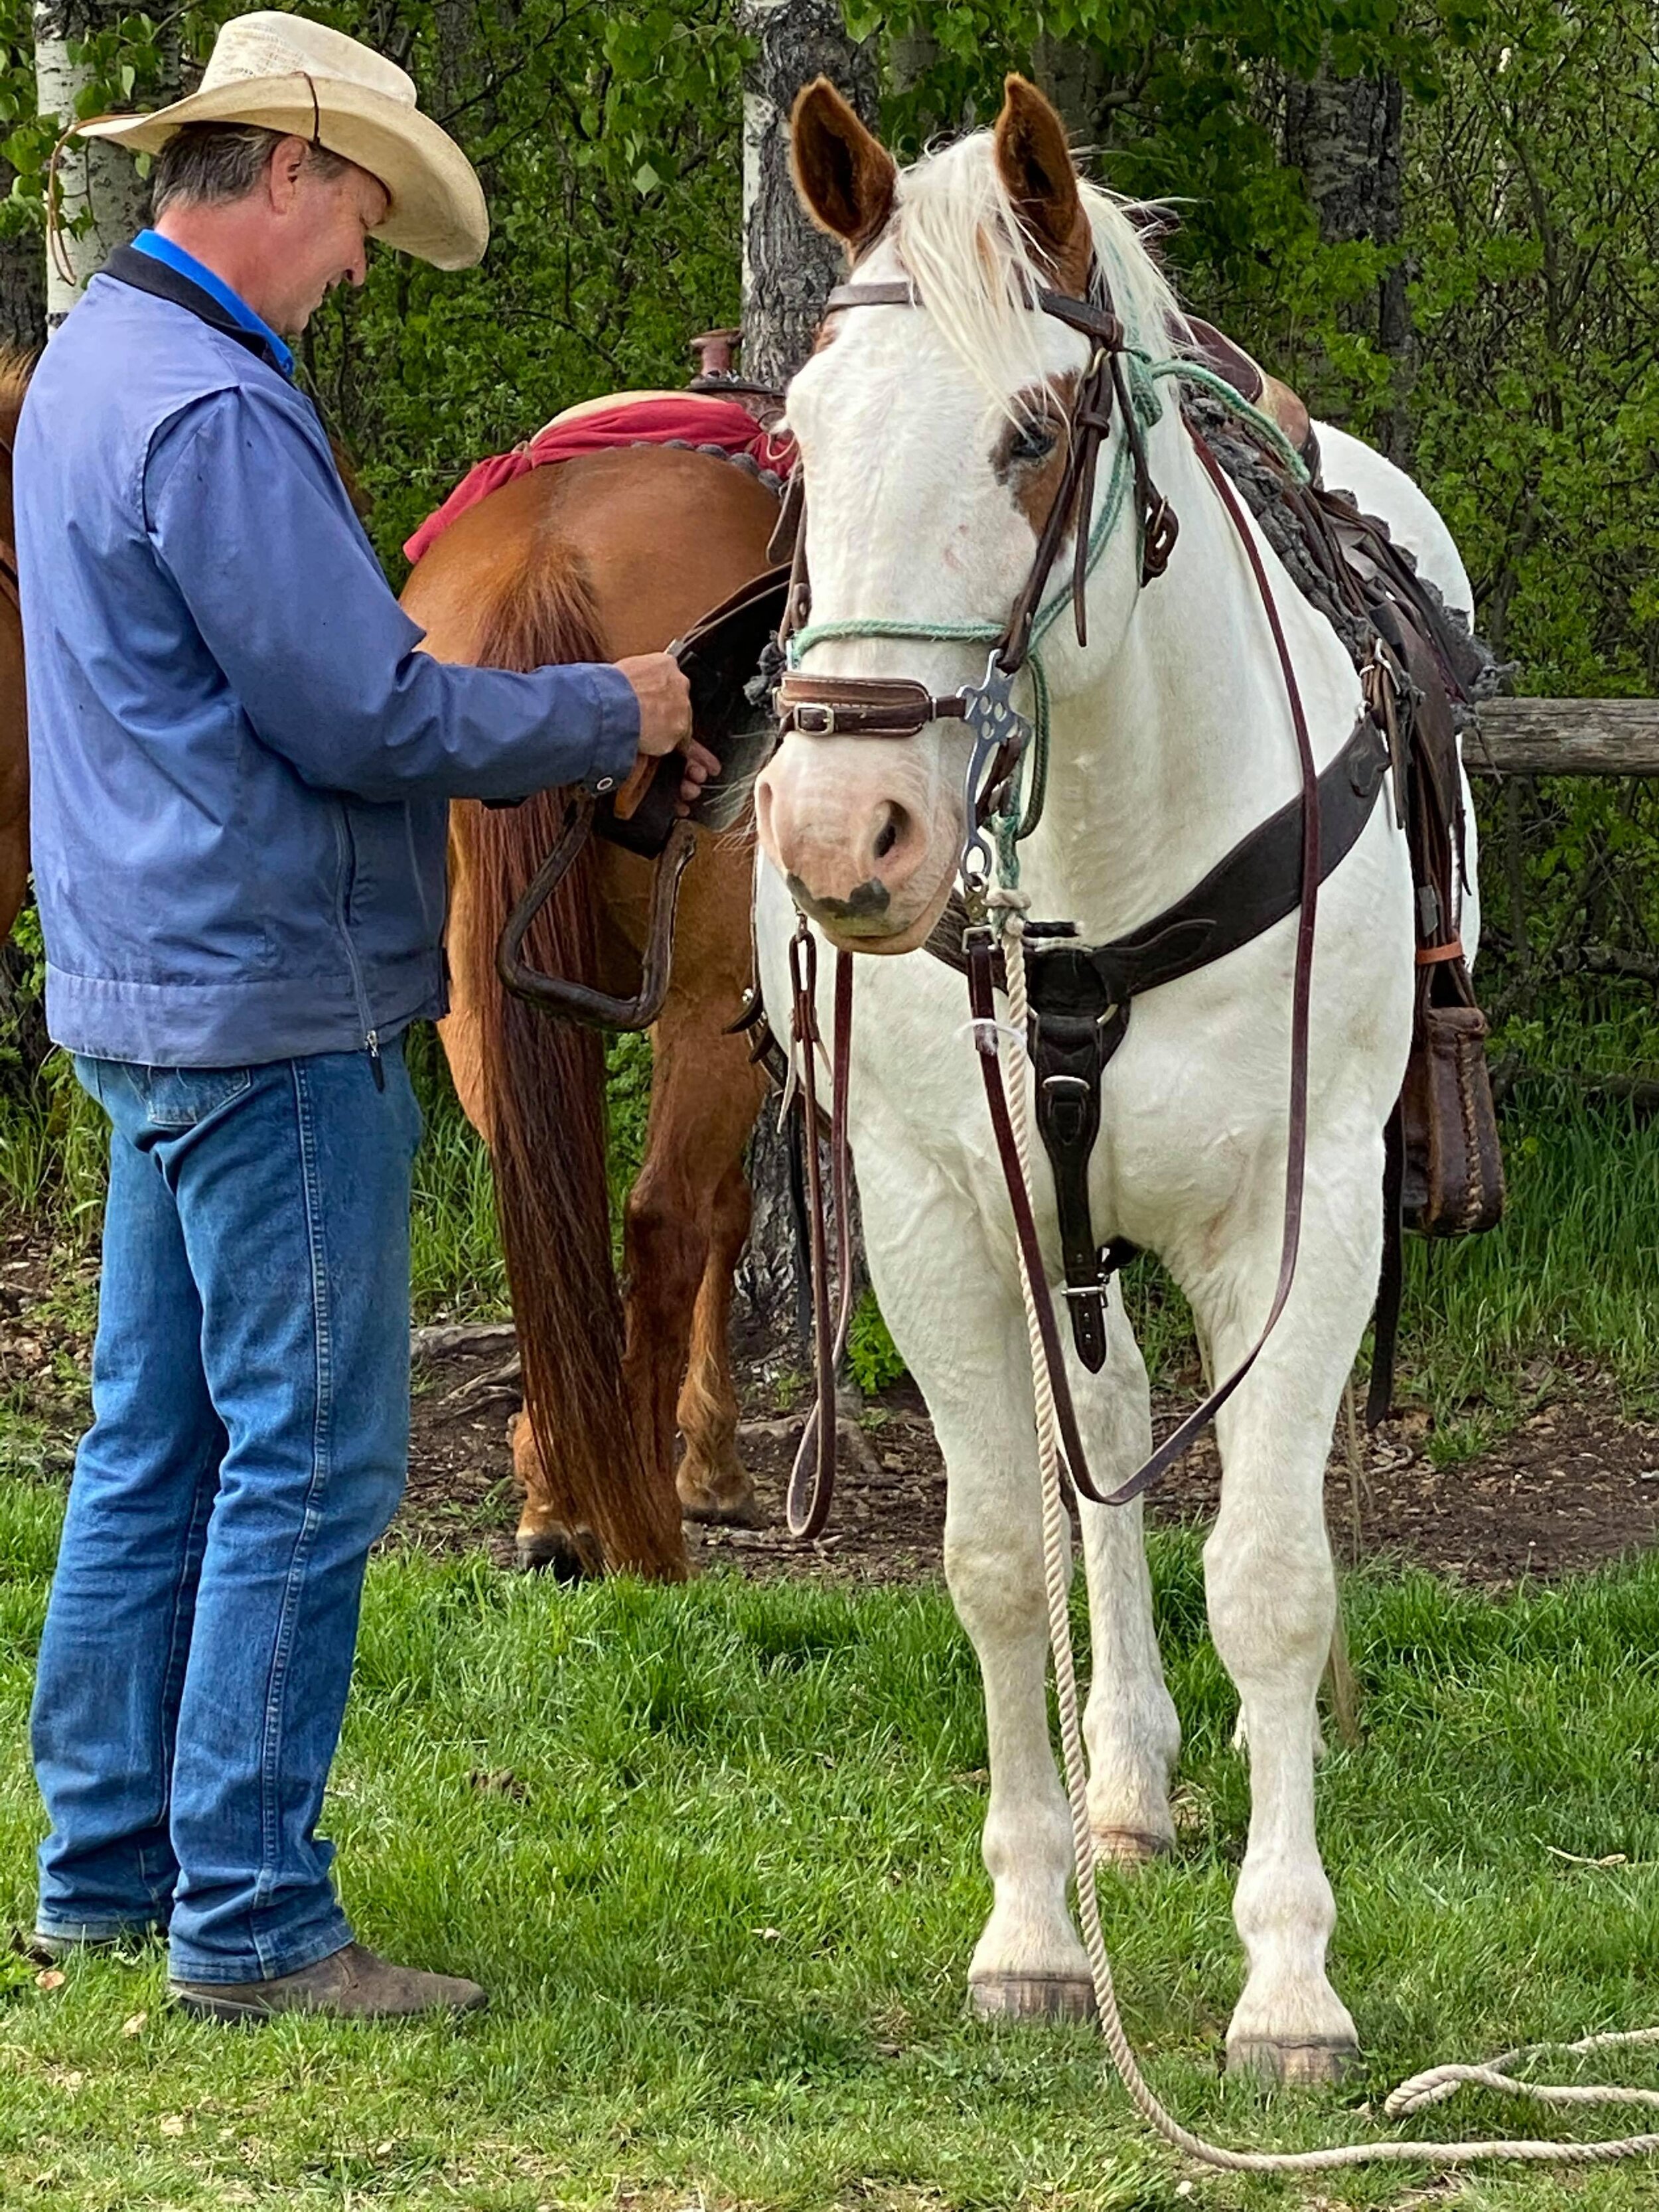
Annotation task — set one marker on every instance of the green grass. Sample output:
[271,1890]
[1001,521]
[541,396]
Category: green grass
[726,1921]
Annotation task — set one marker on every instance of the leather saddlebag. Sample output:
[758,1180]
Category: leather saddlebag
[1453,1166]
[1454,1169]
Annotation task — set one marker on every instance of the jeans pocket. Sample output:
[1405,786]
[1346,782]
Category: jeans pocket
[179,1098]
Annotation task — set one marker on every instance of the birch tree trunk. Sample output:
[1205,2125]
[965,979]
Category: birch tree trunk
[788,267]
[101,182]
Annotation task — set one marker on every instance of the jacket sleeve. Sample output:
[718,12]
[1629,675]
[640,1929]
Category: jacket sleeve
[252,523]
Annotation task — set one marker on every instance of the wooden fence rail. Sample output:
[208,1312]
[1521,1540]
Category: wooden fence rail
[1565,737]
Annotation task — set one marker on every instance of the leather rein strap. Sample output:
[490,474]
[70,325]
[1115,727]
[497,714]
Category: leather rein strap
[898,708]
[812,1477]
[978,946]
[1296,1150]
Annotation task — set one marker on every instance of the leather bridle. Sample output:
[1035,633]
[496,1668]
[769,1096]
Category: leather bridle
[884,707]
[887,707]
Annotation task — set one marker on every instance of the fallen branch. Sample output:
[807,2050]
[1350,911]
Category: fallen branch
[1639,1092]
[506,1377]
[441,1338]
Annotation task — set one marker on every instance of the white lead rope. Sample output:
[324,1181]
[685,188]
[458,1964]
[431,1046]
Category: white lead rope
[1423,2089]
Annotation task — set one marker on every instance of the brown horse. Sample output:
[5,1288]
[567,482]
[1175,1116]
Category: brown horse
[591,559]
[15,369]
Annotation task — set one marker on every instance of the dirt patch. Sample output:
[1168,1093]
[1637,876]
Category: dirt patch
[1571,1484]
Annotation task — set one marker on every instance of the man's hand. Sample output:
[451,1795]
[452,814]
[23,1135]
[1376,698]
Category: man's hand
[664,698]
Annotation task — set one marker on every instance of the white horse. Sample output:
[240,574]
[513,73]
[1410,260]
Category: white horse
[927,434]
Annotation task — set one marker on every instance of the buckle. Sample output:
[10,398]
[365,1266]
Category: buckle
[823,726]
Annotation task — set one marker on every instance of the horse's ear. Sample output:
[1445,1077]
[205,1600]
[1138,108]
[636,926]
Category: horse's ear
[844,175]
[1034,160]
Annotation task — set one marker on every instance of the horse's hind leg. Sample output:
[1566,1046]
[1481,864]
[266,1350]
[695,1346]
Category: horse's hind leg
[713,1483]
[687,1217]
[1271,1594]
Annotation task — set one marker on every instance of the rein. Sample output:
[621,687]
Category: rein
[899,707]
[882,708]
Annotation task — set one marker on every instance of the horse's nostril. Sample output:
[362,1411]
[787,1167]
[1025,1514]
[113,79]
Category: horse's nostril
[892,830]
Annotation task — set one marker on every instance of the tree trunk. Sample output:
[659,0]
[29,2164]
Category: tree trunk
[1346,135]
[788,265]
[1070,73]
[97,182]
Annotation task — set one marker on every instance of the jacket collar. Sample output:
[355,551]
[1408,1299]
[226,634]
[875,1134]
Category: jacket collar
[146,274]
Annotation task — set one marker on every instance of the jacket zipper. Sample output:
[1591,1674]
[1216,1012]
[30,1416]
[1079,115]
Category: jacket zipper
[371,1035]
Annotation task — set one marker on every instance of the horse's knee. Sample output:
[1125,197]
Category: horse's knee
[667,1246]
[1270,1592]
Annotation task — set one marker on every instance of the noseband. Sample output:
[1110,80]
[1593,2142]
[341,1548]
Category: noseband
[883,706]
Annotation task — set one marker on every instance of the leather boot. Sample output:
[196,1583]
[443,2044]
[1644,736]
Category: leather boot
[349,1984]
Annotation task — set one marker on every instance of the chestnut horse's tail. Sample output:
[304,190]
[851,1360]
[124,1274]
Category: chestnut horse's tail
[544,1081]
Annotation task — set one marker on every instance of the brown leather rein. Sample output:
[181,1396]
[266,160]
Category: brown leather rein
[889,707]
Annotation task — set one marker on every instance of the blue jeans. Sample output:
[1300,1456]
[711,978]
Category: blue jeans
[249,1442]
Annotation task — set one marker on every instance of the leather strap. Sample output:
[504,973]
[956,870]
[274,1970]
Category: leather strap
[812,1478]
[1095,318]
[861,705]
[1070,1052]
[1295,1151]
[978,950]
[1391,1282]
[1252,887]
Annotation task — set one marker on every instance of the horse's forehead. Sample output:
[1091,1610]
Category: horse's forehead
[882,358]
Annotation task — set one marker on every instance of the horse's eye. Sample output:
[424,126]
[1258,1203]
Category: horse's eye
[1032,442]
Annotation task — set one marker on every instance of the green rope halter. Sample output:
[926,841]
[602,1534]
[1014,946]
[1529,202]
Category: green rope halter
[1010,830]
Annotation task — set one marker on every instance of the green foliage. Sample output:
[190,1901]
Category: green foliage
[456,1263]
[875,1359]
[627,1094]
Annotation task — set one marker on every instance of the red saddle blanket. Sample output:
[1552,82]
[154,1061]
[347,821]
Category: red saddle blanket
[685,419]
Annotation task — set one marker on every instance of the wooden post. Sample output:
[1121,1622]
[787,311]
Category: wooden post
[788,267]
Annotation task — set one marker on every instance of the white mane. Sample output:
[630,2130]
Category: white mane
[957,235]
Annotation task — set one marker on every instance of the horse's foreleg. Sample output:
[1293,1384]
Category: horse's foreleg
[966,1350]
[713,1482]
[1129,1724]
[1272,1596]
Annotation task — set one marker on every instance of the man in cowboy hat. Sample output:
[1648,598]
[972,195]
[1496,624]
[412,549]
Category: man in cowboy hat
[241,766]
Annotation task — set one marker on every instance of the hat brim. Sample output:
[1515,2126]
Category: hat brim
[437,208]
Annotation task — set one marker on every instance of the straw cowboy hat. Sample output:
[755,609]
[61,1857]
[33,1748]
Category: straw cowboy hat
[291,74]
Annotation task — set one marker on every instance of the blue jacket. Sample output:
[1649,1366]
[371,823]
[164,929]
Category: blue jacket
[240,764]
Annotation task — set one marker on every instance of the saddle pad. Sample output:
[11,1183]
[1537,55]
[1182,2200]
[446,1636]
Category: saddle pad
[676,418]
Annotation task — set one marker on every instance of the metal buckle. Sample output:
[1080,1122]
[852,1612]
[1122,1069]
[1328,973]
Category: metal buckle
[824,726]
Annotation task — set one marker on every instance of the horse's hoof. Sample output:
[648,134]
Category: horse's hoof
[740,1511]
[1314,2063]
[567,1558]
[1131,1847]
[1031,1997]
